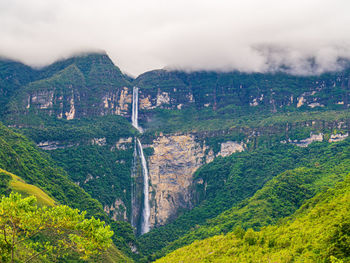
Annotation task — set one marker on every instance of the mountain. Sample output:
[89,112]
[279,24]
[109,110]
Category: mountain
[19,156]
[317,232]
[215,144]
[64,89]
[41,177]
[251,190]
[26,169]
[13,75]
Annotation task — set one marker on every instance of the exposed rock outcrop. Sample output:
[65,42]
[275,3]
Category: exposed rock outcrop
[117,211]
[171,169]
[99,141]
[338,137]
[305,142]
[171,166]
[53,145]
[227,148]
[124,143]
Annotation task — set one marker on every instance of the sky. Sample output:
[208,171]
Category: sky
[302,36]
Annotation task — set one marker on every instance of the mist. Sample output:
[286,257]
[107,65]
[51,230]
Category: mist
[303,37]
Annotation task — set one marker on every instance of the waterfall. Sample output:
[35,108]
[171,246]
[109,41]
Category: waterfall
[146,208]
[135,109]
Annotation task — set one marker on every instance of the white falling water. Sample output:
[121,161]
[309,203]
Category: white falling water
[135,109]
[146,208]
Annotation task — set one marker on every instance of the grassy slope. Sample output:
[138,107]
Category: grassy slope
[19,185]
[317,232]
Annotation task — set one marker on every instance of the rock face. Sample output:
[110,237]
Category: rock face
[118,102]
[338,137]
[171,169]
[312,138]
[117,211]
[99,141]
[52,145]
[305,142]
[180,90]
[91,85]
[227,148]
[87,85]
[75,104]
[124,143]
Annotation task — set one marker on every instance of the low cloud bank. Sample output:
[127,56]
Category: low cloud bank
[301,37]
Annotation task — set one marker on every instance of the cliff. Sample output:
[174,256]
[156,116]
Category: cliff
[171,168]
[271,91]
[91,85]
[84,86]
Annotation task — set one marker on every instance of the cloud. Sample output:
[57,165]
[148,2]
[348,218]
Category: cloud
[304,37]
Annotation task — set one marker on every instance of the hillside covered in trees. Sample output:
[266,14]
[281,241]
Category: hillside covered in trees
[237,162]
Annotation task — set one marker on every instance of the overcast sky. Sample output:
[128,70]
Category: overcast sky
[141,35]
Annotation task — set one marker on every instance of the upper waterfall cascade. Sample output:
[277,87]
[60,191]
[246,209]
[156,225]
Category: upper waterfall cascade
[135,109]
[146,207]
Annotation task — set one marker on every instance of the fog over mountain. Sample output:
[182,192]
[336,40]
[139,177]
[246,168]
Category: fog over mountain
[302,36]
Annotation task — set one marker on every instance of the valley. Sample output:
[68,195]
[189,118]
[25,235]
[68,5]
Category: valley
[221,163]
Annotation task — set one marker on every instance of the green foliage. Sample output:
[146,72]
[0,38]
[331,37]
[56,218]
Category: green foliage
[317,232]
[19,156]
[78,131]
[217,101]
[259,109]
[229,180]
[50,233]
[84,80]
[13,75]
[124,237]
[265,122]
[5,179]
[103,173]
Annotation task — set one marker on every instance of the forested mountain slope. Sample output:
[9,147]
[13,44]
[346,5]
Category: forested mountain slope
[19,156]
[85,85]
[39,175]
[317,232]
[223,149]
[285,175]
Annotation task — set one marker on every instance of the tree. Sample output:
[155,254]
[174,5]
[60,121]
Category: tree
[30,232]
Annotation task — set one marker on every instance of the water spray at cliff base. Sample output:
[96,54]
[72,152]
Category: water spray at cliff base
[146,207]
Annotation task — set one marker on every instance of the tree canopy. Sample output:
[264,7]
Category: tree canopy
[30,232]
